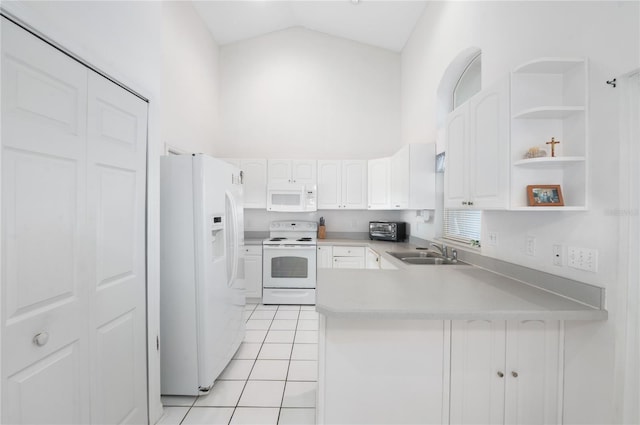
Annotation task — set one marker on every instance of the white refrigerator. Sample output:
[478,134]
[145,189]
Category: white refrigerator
[201,293]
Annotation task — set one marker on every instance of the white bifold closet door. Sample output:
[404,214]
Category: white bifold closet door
[73,240]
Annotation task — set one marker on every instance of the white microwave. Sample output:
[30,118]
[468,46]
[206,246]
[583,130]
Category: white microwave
[292,198]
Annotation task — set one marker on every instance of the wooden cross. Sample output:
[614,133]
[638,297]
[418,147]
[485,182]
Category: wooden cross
[553,144]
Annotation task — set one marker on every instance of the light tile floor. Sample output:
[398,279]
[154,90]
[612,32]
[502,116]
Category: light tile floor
[272,378]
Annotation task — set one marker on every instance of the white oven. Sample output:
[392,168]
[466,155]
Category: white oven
[289,266]
[289,263]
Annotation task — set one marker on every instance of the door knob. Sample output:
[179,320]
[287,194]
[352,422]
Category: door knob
[41,339]
[500,374]
[514,374]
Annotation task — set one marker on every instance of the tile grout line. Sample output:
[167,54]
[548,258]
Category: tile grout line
[198,396]
[254,365]
[286,378]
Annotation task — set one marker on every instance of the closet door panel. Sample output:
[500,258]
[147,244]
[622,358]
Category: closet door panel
[44,292]
[116,219]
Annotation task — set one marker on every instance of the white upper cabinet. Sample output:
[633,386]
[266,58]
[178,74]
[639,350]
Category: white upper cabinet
[354,184]
[549,99]
[413,177]
[406,180]
[477,159]
[456,178]
[342,184]
[399,195]
[379,184]
[292,171]
[254,182]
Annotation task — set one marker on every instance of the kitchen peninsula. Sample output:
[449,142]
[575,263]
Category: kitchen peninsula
[441,344]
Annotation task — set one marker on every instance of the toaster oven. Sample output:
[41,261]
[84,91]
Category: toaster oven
[395,231]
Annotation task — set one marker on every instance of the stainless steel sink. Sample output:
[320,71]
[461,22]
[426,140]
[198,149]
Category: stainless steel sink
[422,257]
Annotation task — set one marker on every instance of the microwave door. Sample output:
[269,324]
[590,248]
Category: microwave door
[285,200]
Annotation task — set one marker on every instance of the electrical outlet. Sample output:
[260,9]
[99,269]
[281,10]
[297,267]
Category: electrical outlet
[530,247]
[591,260]
[492,239]
[557,255]
[582,258]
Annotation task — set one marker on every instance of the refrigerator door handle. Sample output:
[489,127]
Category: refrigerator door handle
[234,233]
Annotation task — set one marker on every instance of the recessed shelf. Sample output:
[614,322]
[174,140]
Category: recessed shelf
[548,66]
[549,112]
[549,162]
[549,97]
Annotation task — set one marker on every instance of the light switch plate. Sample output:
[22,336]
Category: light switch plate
[530,246]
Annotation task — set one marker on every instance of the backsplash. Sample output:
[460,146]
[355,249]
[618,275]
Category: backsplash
[346,221]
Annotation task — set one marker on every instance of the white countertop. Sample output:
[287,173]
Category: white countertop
[436,292]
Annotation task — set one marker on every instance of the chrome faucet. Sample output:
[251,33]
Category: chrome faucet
[444,252]
[442,248]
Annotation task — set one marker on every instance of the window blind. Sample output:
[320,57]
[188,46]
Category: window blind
[462,226]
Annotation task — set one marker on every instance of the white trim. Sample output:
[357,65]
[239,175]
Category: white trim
[13,18]
[627,366]
[173,150]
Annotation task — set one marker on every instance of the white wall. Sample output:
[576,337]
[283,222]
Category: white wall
[511,33]
[190,81]
[297,93]
[347,221]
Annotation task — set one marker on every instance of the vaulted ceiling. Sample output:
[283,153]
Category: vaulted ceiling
[382,23]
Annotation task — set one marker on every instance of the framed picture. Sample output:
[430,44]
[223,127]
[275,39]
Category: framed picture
[545,195]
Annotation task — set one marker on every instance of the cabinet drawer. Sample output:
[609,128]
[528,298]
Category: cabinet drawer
[348,251]
[253,250]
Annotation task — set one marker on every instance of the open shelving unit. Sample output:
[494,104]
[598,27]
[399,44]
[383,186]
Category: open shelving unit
[549,98]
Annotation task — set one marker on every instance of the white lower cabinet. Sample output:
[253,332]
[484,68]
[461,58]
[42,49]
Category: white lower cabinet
[348,257]
[385,370]
[372,259]
[253,271]
[506,372]
[324,259]
[380,371]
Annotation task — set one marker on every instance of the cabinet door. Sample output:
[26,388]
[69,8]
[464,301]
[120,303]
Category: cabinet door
[378,182]
[372,260]
[279,171]
[329,184]
[400,179]
[477,361]
[255,182]
[348,262]
[455,172]
[253,276]
[304,171]
[533,372]
[489,147]
[324,258]
[354,184]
